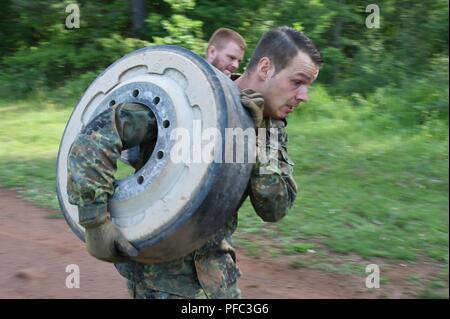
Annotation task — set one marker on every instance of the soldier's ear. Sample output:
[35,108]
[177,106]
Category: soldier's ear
[211,53]
[264,69]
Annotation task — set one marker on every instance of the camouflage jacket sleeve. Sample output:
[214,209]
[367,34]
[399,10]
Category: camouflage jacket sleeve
[93,156]
[272,188]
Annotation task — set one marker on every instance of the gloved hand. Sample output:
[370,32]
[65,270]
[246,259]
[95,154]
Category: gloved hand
[105,242]
[254,102]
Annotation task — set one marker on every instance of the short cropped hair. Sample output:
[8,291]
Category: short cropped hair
[281,45]
[223,35]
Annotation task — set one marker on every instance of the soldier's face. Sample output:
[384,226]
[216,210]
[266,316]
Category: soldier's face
[227,58]
[284,91]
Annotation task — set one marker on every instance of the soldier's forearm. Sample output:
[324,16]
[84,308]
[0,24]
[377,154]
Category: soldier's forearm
[92,161]
[272,189]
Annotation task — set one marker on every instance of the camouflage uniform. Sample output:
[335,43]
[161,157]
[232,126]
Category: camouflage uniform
[209,272]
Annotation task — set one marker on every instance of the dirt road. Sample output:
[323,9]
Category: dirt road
[35,251]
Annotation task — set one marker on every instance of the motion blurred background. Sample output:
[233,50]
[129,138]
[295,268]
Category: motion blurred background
[371,146]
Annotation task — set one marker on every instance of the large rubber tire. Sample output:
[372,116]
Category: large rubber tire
[166,209]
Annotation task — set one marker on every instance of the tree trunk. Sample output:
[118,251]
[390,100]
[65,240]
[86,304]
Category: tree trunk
[139,14]
[336,40]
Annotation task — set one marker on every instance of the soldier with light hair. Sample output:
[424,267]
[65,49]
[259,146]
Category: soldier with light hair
[226,50]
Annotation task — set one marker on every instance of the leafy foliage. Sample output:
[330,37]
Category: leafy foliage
[37,51]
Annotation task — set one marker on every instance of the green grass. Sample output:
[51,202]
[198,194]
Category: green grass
[369,184]
[298,248]
[30,132]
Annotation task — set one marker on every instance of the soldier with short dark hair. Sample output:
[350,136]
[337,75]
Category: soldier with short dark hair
[284,65]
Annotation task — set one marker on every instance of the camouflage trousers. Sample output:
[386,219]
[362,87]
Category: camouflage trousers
[141,291]
[205,273]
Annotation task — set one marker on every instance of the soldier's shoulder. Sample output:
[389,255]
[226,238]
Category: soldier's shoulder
[280,124]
